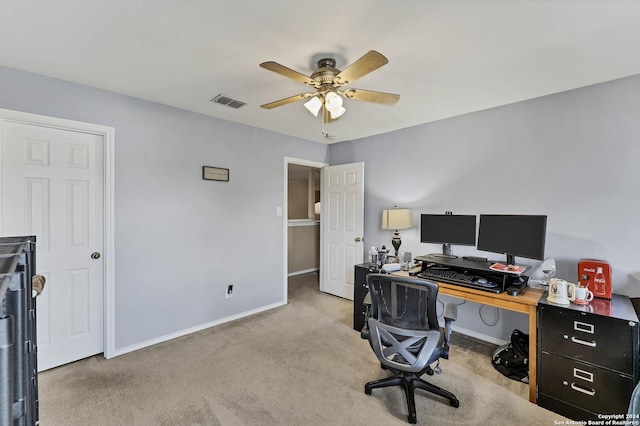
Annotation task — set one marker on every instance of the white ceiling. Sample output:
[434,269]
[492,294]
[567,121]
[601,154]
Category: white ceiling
[446,57]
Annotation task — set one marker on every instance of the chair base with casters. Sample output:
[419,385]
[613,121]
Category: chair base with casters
[403,331]
[410,382]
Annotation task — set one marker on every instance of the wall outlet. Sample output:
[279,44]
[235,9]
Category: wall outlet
[229,291]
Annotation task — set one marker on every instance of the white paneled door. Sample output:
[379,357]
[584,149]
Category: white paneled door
[343,226]
[52,187]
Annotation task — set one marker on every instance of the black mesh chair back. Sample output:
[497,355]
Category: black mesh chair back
[404,333]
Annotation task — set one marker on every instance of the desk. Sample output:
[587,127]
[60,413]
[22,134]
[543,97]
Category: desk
[525,303]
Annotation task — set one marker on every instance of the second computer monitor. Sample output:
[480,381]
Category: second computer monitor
[448,230]
[513,235]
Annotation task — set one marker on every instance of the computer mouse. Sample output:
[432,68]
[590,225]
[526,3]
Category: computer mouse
[482,281]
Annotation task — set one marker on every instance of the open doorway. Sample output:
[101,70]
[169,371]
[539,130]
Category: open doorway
[303,220]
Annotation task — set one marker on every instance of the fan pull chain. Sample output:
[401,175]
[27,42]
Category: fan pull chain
[324,131]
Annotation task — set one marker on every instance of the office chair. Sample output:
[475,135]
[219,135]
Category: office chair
[634,403]
[402,328]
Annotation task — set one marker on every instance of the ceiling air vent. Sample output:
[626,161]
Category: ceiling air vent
[226,100]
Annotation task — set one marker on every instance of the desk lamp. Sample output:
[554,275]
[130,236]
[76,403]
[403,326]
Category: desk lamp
[542,273]
[396,219]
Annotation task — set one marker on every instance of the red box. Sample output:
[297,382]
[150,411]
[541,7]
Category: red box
[596,275]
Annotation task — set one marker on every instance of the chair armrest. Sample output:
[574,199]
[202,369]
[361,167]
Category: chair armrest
[450,311]
[450,315]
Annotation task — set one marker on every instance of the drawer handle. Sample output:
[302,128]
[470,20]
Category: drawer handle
[583,342]
[584,327]
[584,375]
[585,391]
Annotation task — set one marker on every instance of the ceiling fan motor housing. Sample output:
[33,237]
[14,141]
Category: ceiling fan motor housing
[327,62]
[326,72]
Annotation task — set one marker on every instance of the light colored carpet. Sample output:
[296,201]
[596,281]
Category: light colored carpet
[300,364]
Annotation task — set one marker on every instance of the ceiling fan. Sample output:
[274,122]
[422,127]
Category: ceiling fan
[330,83]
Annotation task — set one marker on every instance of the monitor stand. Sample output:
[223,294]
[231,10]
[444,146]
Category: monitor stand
[446,252]
[444,256]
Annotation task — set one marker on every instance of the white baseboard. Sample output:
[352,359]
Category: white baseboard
[155,341]
[167,337]
[305,271]
[479,336]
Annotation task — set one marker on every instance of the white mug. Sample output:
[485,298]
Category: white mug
[560,291]
[581,295]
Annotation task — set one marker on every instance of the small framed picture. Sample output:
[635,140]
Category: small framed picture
[215,173]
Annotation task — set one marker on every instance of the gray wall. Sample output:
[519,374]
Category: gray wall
[179,240]
[574,156]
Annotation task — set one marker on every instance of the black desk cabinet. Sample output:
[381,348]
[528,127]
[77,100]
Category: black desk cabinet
[359,292]
[587,357]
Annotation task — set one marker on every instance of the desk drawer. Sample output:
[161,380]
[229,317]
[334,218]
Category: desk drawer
[591,338]
[584,385]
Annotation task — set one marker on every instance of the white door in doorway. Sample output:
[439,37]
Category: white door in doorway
[343,227]
[53,188]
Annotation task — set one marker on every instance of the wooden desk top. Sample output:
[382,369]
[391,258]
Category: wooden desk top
[521,303]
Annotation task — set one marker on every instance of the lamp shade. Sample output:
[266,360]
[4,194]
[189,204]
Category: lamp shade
[337,112]
[396,219]
[313,105]
[332,101]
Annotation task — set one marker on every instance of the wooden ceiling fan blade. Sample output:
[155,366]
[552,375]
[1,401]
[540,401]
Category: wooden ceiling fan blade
[371,96]
[287,72]
[288,100]
[371,61]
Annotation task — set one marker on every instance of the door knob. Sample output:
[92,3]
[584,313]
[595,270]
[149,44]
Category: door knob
[358,239]
[95,255]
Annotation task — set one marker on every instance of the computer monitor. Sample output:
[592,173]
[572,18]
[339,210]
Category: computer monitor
[448,229]
[513,235]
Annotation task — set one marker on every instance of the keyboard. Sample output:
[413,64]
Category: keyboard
[460,278]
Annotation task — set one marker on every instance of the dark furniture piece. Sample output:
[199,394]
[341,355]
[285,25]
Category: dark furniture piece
[18,355]
[587,357]
[478,271]
[402,328]
[359,292]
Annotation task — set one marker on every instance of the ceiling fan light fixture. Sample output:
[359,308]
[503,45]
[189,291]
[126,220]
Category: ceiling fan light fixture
[337,112]
[333,102]
[313,105]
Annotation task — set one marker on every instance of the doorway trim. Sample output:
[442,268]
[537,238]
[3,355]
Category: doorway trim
[285,218]
[108,136]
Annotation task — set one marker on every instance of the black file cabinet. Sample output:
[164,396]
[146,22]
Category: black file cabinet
[359,292]
[587,357]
